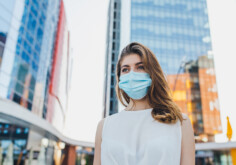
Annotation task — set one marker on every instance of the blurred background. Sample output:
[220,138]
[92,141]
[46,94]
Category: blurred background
[57,72]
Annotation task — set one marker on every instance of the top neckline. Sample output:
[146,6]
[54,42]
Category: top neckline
[136,111]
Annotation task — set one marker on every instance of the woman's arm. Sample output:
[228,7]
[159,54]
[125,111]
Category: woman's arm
[188,143]
[98,140]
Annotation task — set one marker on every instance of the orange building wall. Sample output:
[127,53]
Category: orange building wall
[182,94]
[196,95]
[210,102]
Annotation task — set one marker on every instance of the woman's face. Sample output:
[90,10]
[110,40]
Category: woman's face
[131,62]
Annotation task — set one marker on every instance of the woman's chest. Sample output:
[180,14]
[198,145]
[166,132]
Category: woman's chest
[142,140]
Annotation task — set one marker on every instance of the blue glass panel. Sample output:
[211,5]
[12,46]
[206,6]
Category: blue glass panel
[19,40]
[36,57]
[27,47]
[21,30]
[25,57]
[42,19]
[45,3]
[26,130]
[35,2]
[18,49]
[37,48]
[27,2]
[29,37]
[18,130]
[40,35]
[34,11]
[23,19]
[34,66]
[31,24]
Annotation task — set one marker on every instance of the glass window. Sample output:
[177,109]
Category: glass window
[34,66]
[31,24]
[34,11]
[27,47]
[29,37]
[45,4]
[112,80]
[113,46]
[36,57]
[17,49]
[113,68]
[25,57]
[113,56]
[37,48]
[39,35]
[111,105]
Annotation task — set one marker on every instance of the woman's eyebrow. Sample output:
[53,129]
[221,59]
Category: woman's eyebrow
[124,66]
[138,63]
[135,64]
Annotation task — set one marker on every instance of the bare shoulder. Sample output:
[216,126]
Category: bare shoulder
[186,122]
[100,127]
[98,140]
[101,122]
[187,128]
[98,137]
[185,116]
[188,142]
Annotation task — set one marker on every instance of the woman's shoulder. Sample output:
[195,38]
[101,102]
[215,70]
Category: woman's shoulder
[186,124]
[188,141]
[184,115]
[100,127]
[102,121]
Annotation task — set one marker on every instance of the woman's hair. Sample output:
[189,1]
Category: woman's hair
[159,95]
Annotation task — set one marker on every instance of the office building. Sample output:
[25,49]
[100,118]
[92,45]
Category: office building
[112,52]
[34,81]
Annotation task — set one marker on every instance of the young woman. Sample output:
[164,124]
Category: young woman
[151,130]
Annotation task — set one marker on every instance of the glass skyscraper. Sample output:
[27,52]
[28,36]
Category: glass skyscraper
[34,78]
[178,33]
[30,32]
[113,44]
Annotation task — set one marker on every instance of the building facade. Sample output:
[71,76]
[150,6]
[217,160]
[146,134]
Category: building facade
[34,79]
[113,45]
[178,33]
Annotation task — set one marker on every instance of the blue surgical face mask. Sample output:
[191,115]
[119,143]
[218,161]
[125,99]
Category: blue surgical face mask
[135,84]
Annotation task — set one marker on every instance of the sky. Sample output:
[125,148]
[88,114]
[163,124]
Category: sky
[87,21]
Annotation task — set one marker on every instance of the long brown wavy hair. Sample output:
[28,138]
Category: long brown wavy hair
[159,95]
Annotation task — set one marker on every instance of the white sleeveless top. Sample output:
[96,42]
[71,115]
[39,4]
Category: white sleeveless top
[135,138]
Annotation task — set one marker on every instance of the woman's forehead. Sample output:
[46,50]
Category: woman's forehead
[131,59]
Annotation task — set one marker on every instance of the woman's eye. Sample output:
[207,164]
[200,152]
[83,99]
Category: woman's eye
[124,70]
[141,67]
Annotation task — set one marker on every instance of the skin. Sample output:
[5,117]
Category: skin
[133,62]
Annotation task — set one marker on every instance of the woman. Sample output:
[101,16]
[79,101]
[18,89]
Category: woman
[151,130]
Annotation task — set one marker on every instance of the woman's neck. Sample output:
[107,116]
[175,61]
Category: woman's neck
[138,105]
